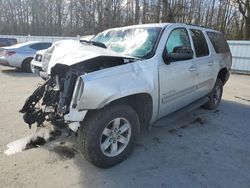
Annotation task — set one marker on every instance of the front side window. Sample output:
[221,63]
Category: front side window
[136,42]
[178,38]
[200,43]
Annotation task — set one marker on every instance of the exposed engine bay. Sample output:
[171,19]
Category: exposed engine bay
[51,101]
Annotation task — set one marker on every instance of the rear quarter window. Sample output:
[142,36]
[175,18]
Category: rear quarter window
[219,42]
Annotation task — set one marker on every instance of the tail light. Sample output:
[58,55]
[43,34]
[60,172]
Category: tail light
[9,53]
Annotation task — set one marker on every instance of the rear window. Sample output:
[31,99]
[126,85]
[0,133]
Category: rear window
[219,42]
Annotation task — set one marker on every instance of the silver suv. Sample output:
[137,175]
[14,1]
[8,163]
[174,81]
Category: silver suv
[127,78]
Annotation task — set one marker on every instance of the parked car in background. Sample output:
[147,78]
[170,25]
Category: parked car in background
[36,63]
[21,55]
[7,42]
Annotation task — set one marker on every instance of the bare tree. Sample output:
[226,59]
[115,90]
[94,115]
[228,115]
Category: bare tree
[244,8]
[80,17]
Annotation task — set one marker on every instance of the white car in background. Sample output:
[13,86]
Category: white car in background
[36,63]
[21,55]
[42,59]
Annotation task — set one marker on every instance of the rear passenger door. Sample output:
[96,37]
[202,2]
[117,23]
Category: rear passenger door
[203,61]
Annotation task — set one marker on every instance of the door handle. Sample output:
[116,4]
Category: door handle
[193,68]
[210,63]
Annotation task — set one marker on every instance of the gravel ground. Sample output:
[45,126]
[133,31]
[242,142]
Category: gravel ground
[201,149]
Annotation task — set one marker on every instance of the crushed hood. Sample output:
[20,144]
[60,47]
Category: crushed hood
[70,52]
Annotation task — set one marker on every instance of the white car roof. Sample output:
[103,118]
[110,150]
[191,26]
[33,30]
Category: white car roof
[19,45]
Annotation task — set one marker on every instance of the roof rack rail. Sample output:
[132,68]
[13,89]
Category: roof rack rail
[197,25]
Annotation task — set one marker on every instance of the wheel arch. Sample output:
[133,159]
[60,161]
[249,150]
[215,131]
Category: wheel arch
[223,75]
[142,103]
[26,60]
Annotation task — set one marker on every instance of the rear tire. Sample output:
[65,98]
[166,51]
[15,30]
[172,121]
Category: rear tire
[99,140]
[215,96]
[26,65]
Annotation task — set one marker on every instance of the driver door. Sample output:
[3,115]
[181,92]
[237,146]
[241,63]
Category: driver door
[177,78]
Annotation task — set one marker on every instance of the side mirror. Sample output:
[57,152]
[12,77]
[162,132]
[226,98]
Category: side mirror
[179,53]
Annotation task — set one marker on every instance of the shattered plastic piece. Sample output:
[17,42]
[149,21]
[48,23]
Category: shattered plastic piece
[39,138]
[17,146]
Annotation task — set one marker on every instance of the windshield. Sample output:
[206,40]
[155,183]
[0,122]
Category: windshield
[135,42]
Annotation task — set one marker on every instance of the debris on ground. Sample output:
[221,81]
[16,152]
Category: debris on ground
[139,145]
[184,126]
[34,143]
[38,139]
[176,131]
[172,131]
[157,140]
[64,152]
[217,111]
[198,120]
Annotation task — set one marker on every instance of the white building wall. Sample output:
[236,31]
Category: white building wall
[241,55]
[28,38]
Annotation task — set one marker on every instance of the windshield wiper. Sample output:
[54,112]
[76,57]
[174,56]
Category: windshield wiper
[99,44]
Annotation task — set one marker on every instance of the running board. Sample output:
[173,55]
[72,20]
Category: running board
[170,118]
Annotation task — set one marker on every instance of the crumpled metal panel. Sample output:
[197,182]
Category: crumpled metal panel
[104,86]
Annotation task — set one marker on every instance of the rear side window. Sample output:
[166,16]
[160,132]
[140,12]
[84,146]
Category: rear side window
[40,46]
[200,43]
[219,42]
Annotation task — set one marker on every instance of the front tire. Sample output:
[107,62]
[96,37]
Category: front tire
[26,65]
[108,136]
[215,96]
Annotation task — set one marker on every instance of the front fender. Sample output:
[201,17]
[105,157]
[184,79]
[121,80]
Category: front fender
[105,86]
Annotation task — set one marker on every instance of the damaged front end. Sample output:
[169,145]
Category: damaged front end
[52,101]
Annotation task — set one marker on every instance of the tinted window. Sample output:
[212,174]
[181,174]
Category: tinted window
[219,42]
[40,46]
[200,43]
[178,37]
